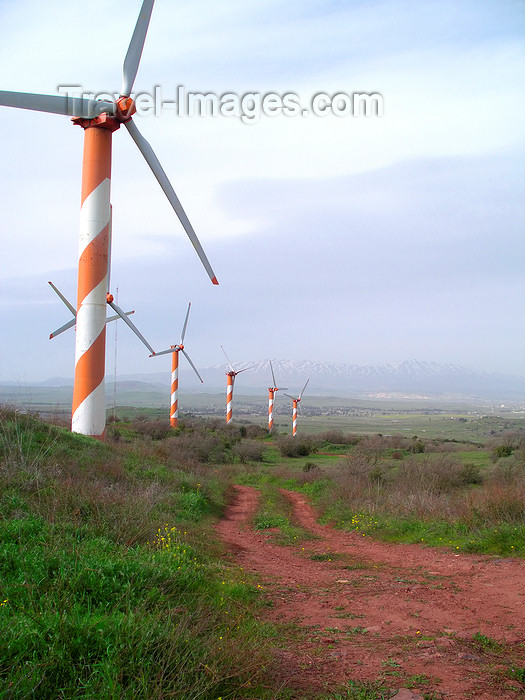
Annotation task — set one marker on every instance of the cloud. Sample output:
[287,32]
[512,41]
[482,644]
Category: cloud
[345,239]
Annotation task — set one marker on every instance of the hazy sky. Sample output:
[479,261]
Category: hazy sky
[346,239]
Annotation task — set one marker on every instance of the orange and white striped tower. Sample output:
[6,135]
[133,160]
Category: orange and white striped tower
[271,392]
[230,379]
[174,403]
[174,350]
[294,415]
[295,401]
[89,404]
[271,399]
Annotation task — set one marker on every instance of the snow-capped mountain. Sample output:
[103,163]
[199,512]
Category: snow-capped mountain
[411,378]
[408,377]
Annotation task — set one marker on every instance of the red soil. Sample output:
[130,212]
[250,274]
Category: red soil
[366,610]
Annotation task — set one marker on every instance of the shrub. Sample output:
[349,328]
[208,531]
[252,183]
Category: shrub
[249,451]
[309,466]
[253,432]
[498,503]
[371,448]
[508,470]
[335,437]
[294,446]
[154,429]
[470,474]
[501,451]
[436,473]
[199,445]
[417,446]
[356,483]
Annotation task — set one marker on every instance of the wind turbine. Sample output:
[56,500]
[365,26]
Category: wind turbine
[271,392]
[296,401]
[230,380]
[70,306]
[175,349]
[99,119]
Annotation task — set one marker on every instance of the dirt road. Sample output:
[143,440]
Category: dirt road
[367,610]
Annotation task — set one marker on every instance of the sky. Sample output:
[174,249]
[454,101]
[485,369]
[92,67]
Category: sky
[353,239]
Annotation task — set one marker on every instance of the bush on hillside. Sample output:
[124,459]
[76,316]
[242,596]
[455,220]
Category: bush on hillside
[249,451]
[293,446]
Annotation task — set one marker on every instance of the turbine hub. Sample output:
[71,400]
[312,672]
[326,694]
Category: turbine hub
[125,108]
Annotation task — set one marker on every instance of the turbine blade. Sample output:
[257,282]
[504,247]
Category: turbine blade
[56,104]
[291,397]
[304,387]
[166,352]
[63,328]
[135,330]
[71,323]
[273,375]
[242,370]
[153,162]
[185,324]
[228,359]
[193,366]
[132,60]
[66,302]
[115,318]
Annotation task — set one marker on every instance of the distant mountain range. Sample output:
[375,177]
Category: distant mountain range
[411,378]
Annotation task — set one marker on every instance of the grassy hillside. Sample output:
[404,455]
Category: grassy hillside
[113,584]
[106,587]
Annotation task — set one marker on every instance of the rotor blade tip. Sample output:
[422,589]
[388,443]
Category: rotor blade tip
[215,280]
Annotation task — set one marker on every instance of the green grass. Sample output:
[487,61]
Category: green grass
[480,458]
[106,586]
[486,643]
[517,674]
[274,512]
[505,540]
[367,690]
[113,585]
[79,610]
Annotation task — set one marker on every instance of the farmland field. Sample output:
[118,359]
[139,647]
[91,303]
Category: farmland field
[455,419]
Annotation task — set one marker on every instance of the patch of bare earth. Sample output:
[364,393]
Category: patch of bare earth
[360,609]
